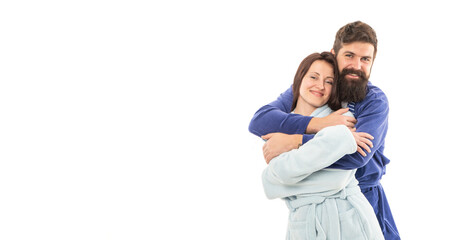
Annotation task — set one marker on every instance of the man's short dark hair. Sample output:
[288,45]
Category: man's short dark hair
[355,32]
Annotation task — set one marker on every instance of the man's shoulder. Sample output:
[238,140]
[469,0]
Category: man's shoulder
[375,93]
[375,100]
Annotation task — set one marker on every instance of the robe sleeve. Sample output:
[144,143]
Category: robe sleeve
[328,146]
[373,119]
[276,117]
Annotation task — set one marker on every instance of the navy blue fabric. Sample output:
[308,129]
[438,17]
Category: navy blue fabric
[372,118]
[378,200]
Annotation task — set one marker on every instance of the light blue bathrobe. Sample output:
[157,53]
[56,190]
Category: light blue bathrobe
[323,203]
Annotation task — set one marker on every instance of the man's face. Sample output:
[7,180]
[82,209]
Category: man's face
[354,64]
[357,56]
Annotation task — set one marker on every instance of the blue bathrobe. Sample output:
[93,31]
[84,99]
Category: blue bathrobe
[372,117]
[323,203]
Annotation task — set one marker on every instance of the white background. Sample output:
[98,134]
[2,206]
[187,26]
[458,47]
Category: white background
[129,119]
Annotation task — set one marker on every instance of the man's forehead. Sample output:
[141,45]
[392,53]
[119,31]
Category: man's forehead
[358,48]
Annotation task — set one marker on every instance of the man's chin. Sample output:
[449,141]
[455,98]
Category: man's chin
[354,80]
[353,90]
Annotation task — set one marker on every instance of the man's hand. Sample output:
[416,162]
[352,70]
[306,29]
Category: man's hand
[362,141]
[278,143]
[335,118]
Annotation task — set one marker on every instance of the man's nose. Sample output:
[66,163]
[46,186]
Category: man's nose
[356,64]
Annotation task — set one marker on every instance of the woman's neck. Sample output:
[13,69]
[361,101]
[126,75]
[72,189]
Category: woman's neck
[303,108]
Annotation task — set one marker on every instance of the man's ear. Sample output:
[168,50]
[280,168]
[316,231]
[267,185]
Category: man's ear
[333,51]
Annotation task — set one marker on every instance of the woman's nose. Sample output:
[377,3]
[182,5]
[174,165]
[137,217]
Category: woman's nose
[321,85]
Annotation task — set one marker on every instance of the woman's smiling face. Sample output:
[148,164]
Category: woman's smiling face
[317,84]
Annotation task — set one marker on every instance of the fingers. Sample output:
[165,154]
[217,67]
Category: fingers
[267,136]
[364,143]
[341,111]
[268,159]
[351,119]
[361,151]
[349,124]
[364,138]
[364,146]
[366,135]
[267,154]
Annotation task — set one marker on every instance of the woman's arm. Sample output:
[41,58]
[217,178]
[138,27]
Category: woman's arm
[373,119]
[327,147]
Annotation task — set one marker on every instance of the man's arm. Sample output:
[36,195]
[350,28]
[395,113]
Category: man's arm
[276,117]
[372,119]
[328,146]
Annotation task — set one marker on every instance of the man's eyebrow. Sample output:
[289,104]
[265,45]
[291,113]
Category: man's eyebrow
[349,52]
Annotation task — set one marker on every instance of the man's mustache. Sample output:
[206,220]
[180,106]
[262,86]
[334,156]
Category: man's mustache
[347,71]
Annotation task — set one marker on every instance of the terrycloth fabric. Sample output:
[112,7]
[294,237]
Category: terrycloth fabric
[294,169]
[324,203]
[372,118]
[290,174]
[346,215]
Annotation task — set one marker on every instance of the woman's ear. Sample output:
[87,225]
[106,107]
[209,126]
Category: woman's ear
[333,52]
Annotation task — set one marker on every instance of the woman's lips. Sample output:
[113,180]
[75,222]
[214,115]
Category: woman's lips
[317,93]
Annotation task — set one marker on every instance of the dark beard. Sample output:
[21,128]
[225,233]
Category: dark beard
[352,90]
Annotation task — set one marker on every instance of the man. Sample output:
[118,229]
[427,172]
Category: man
[355,48]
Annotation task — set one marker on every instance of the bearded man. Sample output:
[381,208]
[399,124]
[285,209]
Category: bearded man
[355,48]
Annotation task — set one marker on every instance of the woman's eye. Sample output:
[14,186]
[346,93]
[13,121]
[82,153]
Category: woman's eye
[313,77]
[329,82]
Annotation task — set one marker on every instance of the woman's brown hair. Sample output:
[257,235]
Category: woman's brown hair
[333,101]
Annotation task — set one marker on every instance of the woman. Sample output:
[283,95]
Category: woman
[323,203]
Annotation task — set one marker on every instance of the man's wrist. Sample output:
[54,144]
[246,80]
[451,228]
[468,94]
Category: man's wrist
[307,137]
[313,126]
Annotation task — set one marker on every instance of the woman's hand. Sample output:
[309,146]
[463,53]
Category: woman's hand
[363,141]
[277,143]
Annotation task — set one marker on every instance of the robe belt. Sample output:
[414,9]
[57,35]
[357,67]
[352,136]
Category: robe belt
[303,201]
[314,230]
